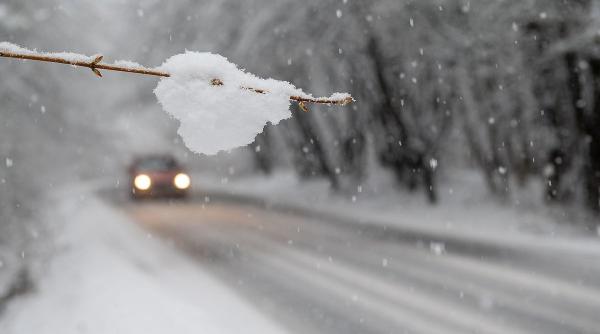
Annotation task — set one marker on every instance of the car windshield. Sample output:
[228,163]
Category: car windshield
[156,164]
[300,166]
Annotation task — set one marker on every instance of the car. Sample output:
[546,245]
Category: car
[158,176]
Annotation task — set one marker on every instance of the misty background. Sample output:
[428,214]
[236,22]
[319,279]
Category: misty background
[509,89]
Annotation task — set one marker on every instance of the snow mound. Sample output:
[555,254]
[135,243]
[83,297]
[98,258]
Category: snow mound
[108,275]
[225,114]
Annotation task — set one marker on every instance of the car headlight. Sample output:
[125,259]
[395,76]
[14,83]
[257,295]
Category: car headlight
[182,181]
[142,182]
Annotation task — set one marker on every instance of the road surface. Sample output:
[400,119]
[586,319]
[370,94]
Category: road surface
[318,275]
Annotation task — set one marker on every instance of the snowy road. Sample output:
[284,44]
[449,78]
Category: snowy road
[316,275]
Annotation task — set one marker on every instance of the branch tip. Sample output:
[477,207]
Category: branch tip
[97,60]
[303,106]
[96,72]
[216,82]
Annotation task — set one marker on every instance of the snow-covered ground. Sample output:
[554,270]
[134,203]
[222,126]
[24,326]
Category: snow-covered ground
[466,210]
[109,276]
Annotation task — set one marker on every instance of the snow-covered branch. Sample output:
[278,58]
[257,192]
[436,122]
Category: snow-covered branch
[94,63]
[219,106]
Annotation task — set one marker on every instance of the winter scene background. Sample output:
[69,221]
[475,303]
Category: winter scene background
[475,129]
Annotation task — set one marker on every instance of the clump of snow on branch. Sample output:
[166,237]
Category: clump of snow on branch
[218,105]
[215,117]
[68,56]
[128,64]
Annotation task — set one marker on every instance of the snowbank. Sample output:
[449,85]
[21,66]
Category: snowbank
[111,277]
[466,212]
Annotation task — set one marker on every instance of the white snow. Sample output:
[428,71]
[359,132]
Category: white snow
[215,118]
[212,117]
[129,64]
[340,96]
[465,212]
[109,276]
[68,56]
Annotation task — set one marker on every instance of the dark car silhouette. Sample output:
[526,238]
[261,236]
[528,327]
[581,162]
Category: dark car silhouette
[158,176]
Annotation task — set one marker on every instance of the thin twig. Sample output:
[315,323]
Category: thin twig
[95,65]
[92,65]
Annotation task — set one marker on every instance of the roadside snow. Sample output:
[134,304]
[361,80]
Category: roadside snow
[465,211]
[110,277]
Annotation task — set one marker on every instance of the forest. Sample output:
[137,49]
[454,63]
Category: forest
[506,87]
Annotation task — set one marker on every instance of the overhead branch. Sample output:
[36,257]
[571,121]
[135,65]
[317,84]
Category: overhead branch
[95,64]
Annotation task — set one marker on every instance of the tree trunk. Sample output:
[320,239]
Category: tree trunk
[591,127]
